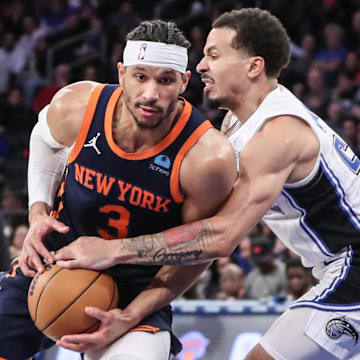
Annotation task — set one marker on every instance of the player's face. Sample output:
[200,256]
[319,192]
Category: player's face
[151,93]
[223,70]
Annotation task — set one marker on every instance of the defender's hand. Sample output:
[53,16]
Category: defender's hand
[34,247]
[114,324]
[88,252]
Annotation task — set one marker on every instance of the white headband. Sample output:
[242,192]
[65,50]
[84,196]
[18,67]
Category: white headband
[155,54]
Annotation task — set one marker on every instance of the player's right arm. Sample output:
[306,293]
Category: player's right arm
[56,131]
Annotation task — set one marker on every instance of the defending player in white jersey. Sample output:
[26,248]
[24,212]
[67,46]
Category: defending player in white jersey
[294,171]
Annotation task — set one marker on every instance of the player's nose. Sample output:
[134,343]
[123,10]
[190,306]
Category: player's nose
[202,66]
[151,92]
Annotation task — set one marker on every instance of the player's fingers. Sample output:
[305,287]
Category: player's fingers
[27,271]
[78,347]
[35,262]
[68,264]
[41,249]
[65,253]
[58,226]
[96,313]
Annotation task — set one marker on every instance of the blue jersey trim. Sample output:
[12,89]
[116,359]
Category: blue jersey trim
[311,232]
[340,192]
[338,279]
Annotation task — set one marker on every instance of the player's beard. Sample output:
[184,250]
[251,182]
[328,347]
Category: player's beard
[162,115]
[217,103]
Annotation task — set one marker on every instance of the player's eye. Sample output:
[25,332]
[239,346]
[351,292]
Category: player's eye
[140,77]
[166,81]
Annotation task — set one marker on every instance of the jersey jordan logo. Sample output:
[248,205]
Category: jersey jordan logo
[92,143]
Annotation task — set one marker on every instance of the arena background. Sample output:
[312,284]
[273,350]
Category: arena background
[45,45]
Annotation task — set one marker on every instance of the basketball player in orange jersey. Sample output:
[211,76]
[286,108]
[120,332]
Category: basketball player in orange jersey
[136,159]
[295,172]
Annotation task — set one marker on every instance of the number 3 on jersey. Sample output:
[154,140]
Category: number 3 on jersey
[347,155]
[118,218]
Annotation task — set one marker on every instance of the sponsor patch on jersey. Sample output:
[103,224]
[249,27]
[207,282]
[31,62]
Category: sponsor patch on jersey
[161,164]
[335,328]
[163,161]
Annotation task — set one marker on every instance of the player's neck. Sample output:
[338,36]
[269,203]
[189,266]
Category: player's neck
[246,106]
[132,138]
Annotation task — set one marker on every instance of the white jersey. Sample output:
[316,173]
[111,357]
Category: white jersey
[318,217]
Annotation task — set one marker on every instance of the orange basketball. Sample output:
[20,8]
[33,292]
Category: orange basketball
[57,299]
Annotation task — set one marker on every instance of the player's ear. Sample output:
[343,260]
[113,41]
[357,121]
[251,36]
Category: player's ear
[257,65]
[185,80]
[121,71]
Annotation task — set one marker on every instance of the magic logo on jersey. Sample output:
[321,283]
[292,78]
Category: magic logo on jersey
[336,328]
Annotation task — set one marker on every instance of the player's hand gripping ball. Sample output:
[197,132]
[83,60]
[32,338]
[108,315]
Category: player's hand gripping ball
[57,299]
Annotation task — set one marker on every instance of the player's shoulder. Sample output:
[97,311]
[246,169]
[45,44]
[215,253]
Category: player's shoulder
[214,146]
[213,155]
[67,110]
[72,97]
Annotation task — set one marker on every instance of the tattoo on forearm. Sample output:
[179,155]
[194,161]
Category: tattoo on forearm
[163,256]
[180,245]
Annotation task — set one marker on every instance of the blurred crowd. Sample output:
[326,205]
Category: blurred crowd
[45,45]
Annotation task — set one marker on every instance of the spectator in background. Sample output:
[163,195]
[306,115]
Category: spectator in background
[4,247]
[62,78]
[334,116]
[346,91]
[16,117]
[316,96]
[299,279]
[90,72]
[55,16]
[7,60]
[115,56]
[354,34]
[267,279]
[124,15]
[4,145]
[350,136]
[18,237]
[194,90]
[304,62]
[198,289]
[242,254]
[302,59]
[231,283]
[333,55]
[93,38]
[352,66]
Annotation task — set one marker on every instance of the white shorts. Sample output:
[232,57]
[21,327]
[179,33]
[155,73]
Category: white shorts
[136,345]
[311,334]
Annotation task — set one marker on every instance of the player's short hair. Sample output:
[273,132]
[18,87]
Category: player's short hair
[258,33]
[159,31]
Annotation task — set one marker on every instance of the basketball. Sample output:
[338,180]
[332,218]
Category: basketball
[57,299]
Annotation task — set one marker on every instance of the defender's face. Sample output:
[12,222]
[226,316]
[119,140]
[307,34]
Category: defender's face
[223,69]
[151,93]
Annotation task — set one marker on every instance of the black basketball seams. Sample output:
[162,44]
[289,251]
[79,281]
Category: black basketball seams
[72,302]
